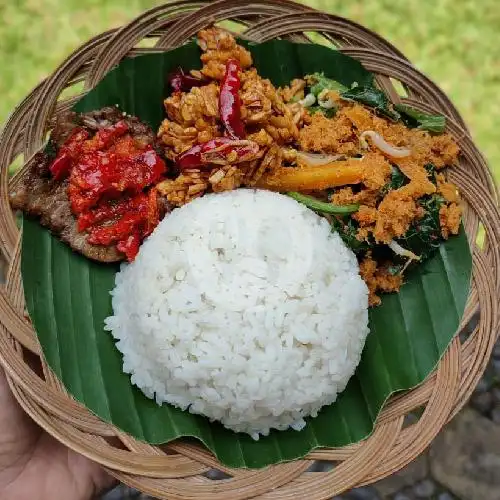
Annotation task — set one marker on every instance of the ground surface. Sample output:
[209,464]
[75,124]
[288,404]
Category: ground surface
[454,42]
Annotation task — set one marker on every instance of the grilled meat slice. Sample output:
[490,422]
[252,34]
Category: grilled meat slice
[94,120]
[38,195]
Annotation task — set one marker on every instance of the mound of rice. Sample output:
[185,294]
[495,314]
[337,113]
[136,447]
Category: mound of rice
[243,307]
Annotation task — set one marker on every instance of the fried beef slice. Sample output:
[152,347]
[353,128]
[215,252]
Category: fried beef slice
[38,195]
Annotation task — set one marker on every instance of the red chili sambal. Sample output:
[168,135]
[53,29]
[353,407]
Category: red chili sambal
[110,179]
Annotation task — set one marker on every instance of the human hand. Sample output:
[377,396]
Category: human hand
[34,466]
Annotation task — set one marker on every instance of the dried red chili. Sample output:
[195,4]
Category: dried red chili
[221,150]
[183,82]
[192,157]
[229,100]
[232,152]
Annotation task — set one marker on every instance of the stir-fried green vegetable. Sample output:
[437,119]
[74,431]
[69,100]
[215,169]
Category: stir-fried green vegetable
[398,179]
[422,238]
[414,118]
[367,95]
[319,82]
[321,206]
[424,235]
[373,98]
[329,113]
[431,170]
[347,228]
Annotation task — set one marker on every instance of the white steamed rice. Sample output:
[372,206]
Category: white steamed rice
[244,307]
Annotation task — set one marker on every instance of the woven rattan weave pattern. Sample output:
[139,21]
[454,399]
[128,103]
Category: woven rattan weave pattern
[178,470]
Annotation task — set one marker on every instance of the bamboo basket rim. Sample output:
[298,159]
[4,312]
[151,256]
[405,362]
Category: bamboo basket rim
[181,470]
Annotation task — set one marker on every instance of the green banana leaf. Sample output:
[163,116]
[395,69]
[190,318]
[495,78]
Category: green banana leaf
[68,297]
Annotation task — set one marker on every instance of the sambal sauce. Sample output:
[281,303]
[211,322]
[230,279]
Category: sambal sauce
[110,179]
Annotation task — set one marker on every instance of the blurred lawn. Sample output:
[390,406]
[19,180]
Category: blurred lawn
[453,41]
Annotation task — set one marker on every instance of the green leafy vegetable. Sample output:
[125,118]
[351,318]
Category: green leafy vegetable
[329,113]
[424,235]
[375,98]
[398,179]
[348,229]
[319,82]
[372,97]
[321,206]
[395,268]
[368,95]
[431,171]
[414,118]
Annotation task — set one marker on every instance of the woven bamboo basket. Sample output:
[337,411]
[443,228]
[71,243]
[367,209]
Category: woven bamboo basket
[182,470]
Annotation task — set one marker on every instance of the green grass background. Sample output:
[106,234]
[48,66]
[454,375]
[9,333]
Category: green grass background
[455,42]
